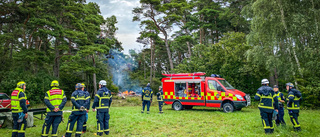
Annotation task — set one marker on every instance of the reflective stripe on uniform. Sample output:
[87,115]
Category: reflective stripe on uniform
[265,107]
[22,128]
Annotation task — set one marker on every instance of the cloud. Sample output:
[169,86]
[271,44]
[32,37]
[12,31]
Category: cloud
[122,9]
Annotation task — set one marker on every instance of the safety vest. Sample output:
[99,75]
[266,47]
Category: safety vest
[295,105]
[147,94]
[55,96]
[104,100]
[15,100]
[266,101]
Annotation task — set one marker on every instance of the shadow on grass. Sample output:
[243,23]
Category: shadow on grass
[209,110]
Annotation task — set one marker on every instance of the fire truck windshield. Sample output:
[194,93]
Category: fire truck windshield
[226,84]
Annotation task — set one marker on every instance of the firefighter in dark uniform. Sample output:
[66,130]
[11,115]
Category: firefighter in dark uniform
[294,98]
[102,102]
[160,99]
[281,102]
[84,129]
[267,99]
[55,100]
[19,108]
[79,100]
[146,98]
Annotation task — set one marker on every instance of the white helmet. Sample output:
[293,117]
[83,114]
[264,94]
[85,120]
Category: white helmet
[265,81]
[103,82]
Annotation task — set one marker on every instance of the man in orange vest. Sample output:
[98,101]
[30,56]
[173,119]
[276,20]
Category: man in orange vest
[19,110]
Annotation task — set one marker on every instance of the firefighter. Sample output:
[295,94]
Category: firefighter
[160,99]
[55,100]
[84,129]
[281,101]
[102,102]
[293,106]
[79,101]
[267,98]
[19,110]
[146,98]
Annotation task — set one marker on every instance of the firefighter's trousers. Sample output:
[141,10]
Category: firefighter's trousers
[280,115]
[267,122]
[144,103]
[103,122]
[294,119]
[18,129]
[160,106]
[51,120]
[84,129]
[71,122]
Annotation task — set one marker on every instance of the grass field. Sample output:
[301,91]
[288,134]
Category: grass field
[200,121]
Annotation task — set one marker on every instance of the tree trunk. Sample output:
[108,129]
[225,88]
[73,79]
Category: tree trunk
[276,76]
[188,44]
[94,79]
[201,37]
[56,60]
[151,59]
[144,65]
[169,52]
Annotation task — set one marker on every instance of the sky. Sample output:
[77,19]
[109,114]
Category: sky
[128,31]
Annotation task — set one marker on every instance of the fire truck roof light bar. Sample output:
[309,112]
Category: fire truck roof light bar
[185,74]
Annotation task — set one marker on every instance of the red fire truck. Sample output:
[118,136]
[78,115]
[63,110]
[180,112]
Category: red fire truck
[185,90]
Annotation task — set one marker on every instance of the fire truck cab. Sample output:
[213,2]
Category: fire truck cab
[185,90]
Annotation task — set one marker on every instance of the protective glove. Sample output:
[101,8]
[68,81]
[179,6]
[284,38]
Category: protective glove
[82,108]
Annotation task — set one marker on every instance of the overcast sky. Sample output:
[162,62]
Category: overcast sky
[128,30]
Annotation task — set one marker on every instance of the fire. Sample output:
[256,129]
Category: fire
[127,93]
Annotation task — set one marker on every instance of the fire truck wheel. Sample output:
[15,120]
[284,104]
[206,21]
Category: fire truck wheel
[177,106]
[228,107]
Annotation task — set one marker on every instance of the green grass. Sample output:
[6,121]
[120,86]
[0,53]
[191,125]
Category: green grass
[200,121]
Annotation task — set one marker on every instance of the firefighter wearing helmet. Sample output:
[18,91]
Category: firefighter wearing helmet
[267,98]
[160,99]
[19,110]
[102,102]
[146,98]
[55,100]
[293,106]
[84,129]
[79,101]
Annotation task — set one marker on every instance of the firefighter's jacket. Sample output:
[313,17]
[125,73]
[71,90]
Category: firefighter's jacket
[102,100]
[267,98]
[18,101]
[79,98]
[55,98]
[294,98]
[147,94]
[88,94]
[160,95]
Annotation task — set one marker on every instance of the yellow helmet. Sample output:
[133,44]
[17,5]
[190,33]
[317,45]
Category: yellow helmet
[55,83]
[21,83]
[83,85]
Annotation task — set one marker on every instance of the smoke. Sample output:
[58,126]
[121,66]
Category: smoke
[121,65]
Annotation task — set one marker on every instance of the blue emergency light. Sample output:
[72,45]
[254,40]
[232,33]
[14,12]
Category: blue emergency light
[216,76]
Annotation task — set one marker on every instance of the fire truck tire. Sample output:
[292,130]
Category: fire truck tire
[177,106]
[187,107]
[228,107]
